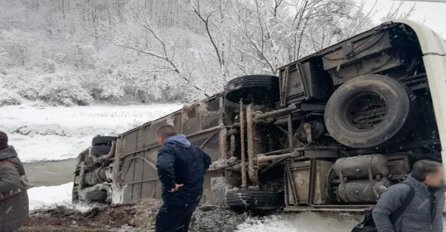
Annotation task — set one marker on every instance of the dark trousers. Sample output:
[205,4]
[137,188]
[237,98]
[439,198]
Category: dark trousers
[174,218]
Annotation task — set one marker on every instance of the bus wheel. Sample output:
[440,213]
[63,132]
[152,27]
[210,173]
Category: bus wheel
[257,89]
[369,110]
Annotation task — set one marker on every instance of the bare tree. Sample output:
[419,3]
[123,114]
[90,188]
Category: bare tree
[152,44]
[396,11]
[247,37]
[205,18]
[275,32]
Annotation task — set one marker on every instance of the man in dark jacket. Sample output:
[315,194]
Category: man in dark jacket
[13,196]
[425,210]
[181,168]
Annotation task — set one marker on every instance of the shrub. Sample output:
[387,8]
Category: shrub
[8,97]
[63,89]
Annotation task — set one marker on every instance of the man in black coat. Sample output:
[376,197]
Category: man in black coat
[181,168]
[13,196]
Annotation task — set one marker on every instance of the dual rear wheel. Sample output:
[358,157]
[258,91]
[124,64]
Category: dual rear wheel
[370,111]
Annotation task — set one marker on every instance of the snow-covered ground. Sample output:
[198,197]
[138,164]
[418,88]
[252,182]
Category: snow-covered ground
[302,222]
[41,197]
[55,133]
[52,196]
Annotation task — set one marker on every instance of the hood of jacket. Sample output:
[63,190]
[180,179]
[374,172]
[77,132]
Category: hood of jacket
[179,139]
[421,187]
[415,183]
[8,153]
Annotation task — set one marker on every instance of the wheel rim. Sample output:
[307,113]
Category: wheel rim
[365,111]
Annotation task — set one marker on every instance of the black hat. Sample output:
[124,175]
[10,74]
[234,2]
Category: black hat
[3,140]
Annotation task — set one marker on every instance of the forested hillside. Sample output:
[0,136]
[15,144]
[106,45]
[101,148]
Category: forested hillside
[79,52]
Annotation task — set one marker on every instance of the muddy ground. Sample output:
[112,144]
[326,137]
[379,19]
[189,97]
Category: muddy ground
[117,218]
[126,218]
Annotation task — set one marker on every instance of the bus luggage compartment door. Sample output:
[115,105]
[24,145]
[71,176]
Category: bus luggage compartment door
[306,182]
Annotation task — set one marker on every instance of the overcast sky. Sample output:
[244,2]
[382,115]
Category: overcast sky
[433,14]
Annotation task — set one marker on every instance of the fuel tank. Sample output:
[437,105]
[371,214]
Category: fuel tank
[359,167]
[362,191]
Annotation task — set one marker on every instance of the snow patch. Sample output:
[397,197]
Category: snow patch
[302,222]
[47,197]
[51,196]
[56,133]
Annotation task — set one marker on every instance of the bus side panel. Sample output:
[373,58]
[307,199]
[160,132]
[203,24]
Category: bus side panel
[200,122]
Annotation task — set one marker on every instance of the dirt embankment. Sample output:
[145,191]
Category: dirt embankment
[126,218]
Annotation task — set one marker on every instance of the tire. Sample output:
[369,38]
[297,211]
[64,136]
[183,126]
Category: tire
[103,140]
[96,196]
[82,156]
[257,89]
[369,111]
[254,200]
[100,150]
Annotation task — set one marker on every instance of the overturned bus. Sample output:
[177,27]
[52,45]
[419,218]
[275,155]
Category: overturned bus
[332,132]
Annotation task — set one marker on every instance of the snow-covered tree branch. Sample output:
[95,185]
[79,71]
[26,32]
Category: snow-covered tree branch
[121,51]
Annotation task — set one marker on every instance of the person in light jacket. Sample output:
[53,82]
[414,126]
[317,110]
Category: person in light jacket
[425,210]
[13,196]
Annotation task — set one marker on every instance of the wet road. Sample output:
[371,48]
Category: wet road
[49,173]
